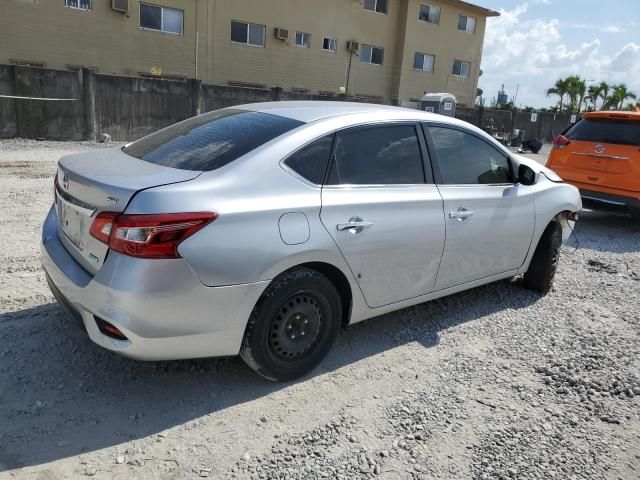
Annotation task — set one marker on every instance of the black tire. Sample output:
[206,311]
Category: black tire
[544,263]
[293,325]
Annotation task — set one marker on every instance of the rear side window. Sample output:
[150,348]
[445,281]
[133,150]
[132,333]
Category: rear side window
[464,159]
[310,162]
[606,130]
[210,141]
[378,156]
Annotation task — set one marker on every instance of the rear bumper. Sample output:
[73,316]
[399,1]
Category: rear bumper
[160,306]
[609,199]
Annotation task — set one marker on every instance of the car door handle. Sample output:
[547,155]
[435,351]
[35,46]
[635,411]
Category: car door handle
[354,225]
[461,214]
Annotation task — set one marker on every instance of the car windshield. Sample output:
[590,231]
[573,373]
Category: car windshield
[606,130]
[210,141]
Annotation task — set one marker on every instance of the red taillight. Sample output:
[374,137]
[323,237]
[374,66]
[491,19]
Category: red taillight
[101,226]
[560,141]
[148,236]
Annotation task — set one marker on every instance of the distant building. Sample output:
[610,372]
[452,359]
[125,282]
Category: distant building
[398,49]
[503,98]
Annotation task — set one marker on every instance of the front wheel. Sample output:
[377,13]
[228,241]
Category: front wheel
[544,263]
[293,325]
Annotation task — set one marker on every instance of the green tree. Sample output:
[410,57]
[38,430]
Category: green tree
[620,95]
[560,89]
[604,93]
[593,94]
[576,90]
[631,107]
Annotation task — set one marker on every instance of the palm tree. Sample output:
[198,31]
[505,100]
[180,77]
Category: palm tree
[604,93]
[620,94]
[581,88]
[576,89]
[631,107]
[560,89]
[594,92]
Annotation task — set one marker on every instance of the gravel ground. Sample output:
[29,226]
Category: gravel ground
[493,383]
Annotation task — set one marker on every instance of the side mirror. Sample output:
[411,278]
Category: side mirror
[526,176]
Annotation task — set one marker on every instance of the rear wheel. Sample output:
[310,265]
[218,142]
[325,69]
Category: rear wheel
[544,263]
[293,325]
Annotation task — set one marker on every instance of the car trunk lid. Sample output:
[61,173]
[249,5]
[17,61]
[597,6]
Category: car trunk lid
[609,166]
[98,181]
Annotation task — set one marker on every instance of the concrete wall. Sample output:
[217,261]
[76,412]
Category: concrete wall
[48,33]
[39,119]
[126,108]
[129,107]
[8,120]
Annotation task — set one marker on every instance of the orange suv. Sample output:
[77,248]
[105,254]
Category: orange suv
[600,154]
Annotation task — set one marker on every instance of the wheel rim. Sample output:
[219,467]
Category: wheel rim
[295,327]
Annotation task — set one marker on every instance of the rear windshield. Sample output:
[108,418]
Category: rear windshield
[210,141]
[606,130]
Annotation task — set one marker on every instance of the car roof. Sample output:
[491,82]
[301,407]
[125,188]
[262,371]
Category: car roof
[612,114]
[311,111]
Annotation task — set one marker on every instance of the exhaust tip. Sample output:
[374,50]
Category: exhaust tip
[109,330]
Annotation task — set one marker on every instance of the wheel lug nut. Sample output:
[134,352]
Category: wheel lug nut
[306,321]
[292,337]
[302,333]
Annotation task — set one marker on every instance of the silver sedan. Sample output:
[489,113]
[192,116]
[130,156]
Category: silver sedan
[261,229]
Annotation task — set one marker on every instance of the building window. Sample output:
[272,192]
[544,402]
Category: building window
[79,4]
[380,6]
[161,18]
[467,24]
[330,44]
[248,33]
[461,69]
[371,54]
[303,39]
[424,61]
[429,13]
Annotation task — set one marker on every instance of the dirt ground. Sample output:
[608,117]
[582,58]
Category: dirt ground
[493,383]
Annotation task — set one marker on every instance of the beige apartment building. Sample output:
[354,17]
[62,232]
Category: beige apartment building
[386,49]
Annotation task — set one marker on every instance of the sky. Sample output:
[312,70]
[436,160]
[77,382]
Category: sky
[535,42]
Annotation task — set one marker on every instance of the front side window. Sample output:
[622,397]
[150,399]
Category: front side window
[248,33]
[162,19]
[380,6]
[429,13]
[467,24]
[310,162]
[303,39]
[371,54]
[424,61]
[380,155]
[210,141]
[461,68]
[465,159]
[80,4]
[330,44]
